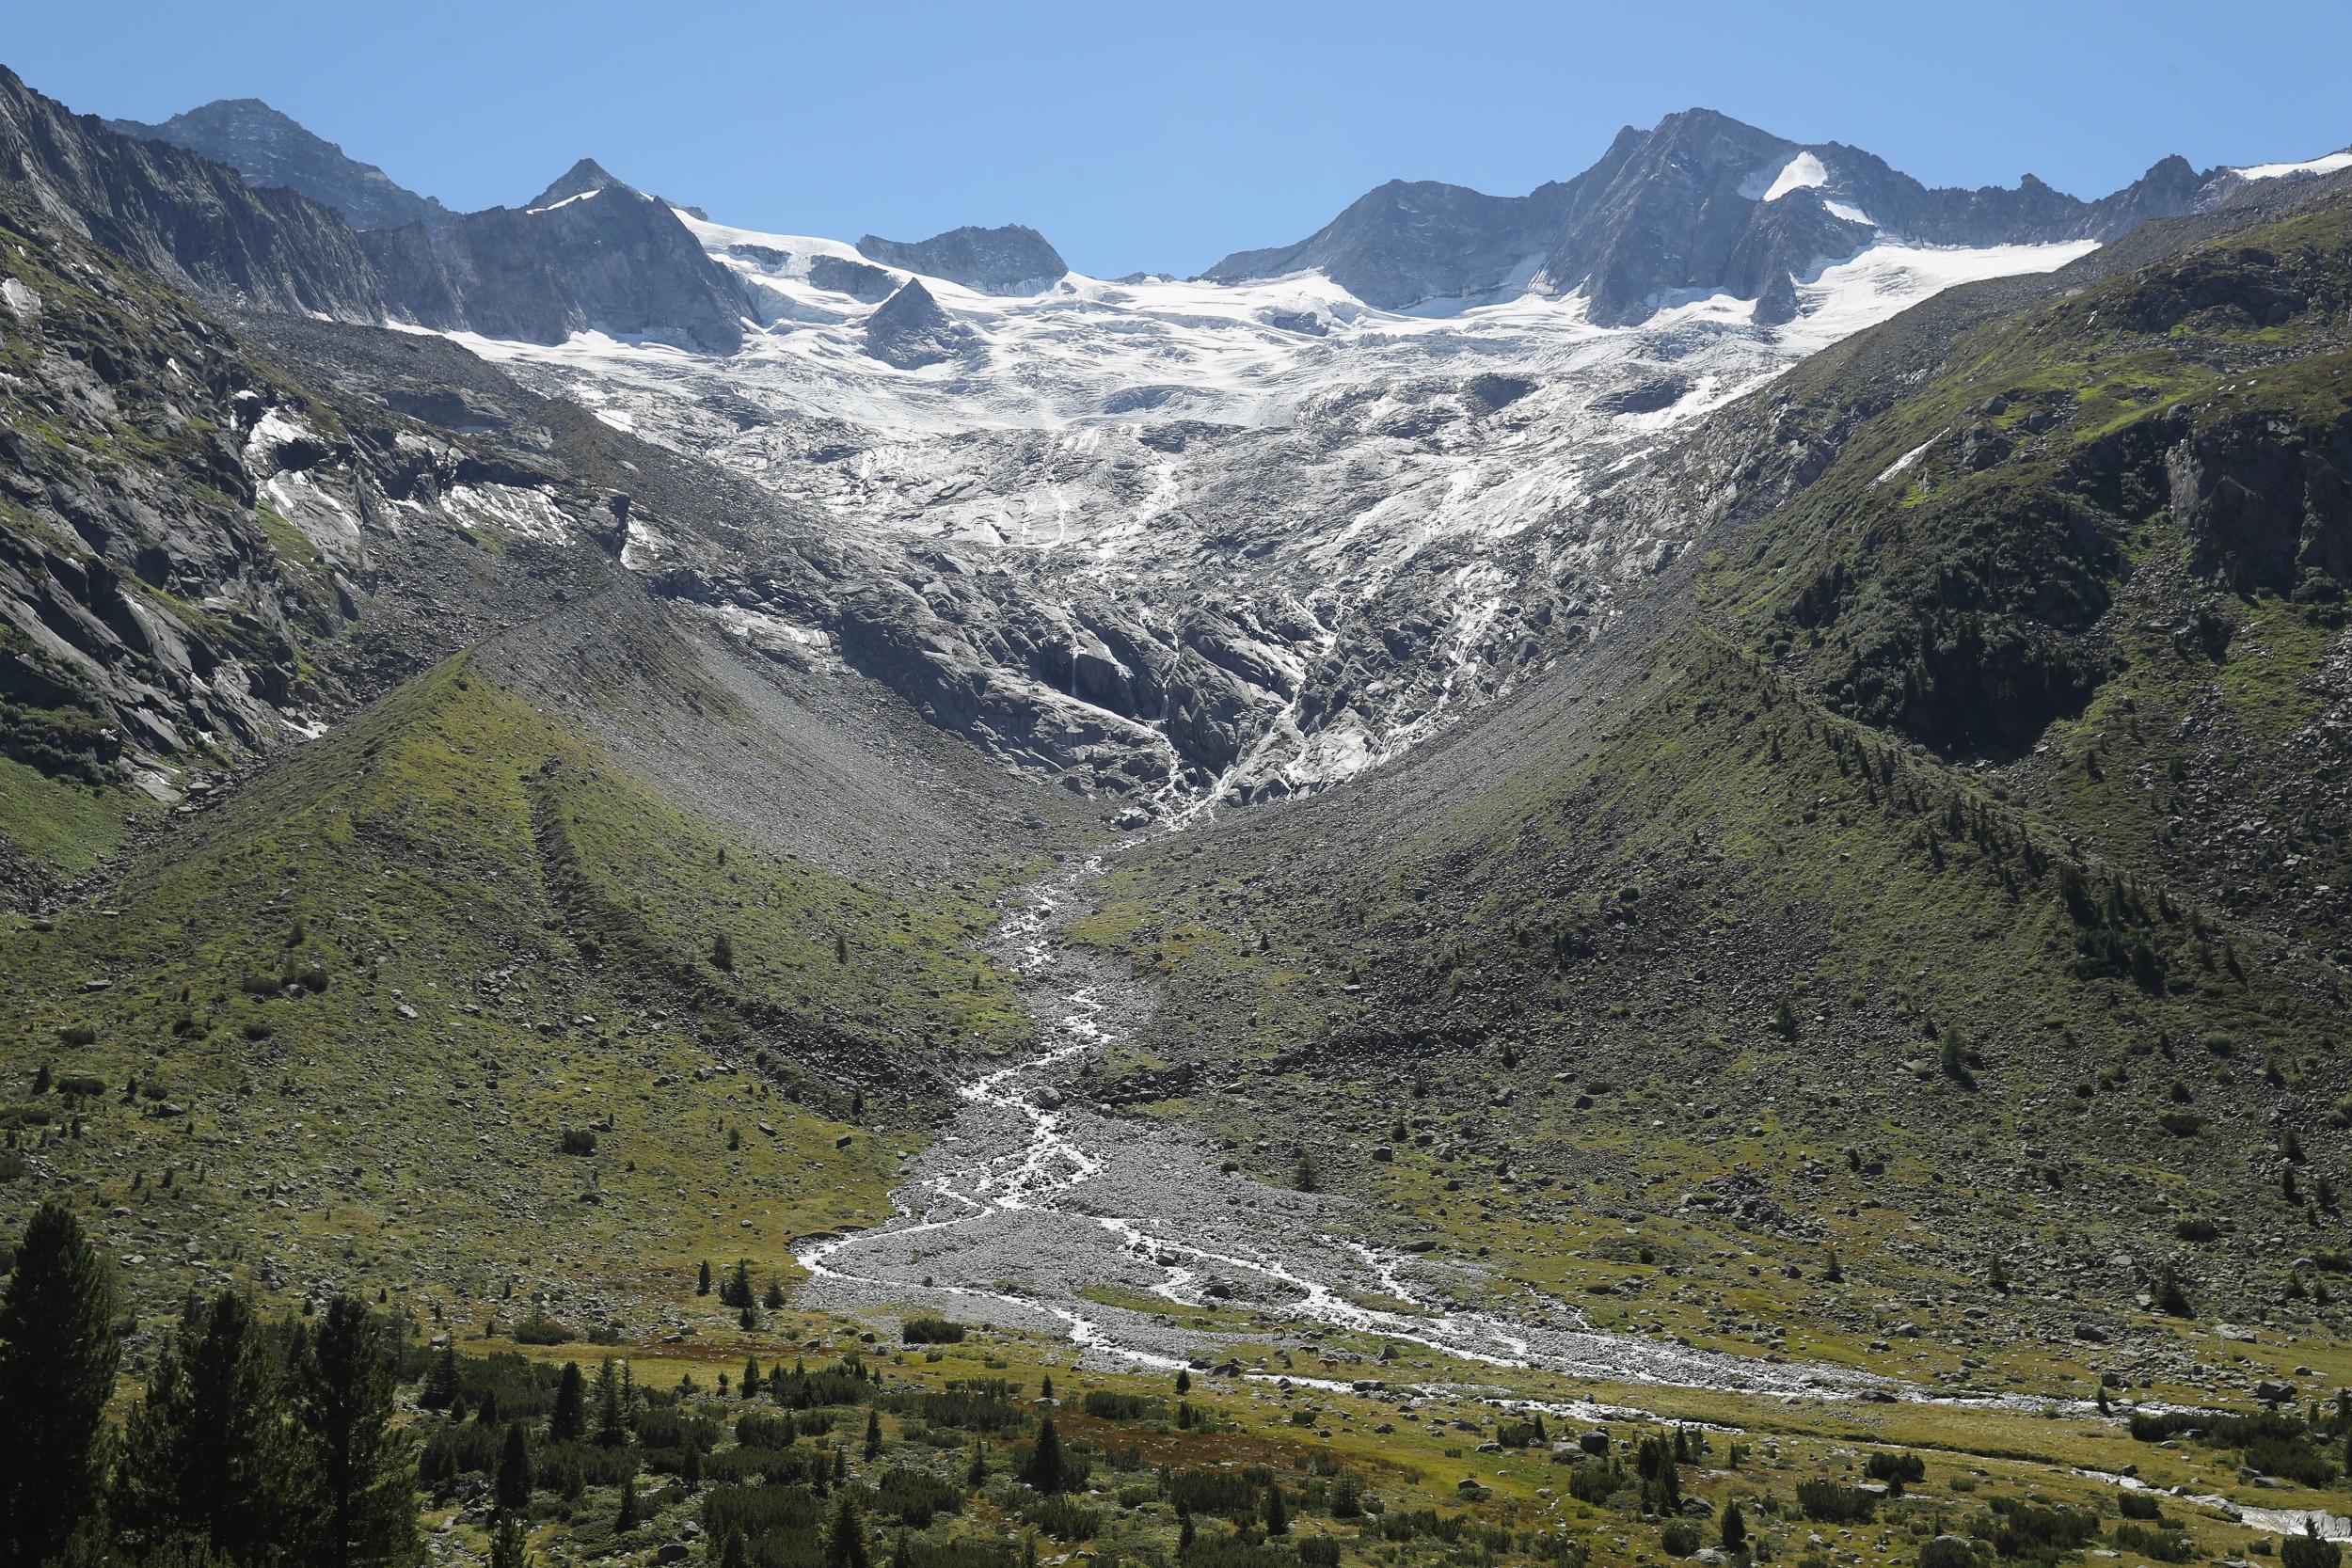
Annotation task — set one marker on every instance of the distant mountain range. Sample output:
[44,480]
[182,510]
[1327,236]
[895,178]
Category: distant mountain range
[1698,204]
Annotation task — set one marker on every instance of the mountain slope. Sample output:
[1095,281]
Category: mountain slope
[1672,933]
[270,148]
[624,264]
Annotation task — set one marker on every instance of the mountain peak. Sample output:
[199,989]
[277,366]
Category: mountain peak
[583,177]
[269,148]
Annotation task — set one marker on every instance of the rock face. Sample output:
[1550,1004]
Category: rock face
[191,220]
[910,330]
[590,252]
[271,151]
[1014,260]
[618,260]
[1701,202]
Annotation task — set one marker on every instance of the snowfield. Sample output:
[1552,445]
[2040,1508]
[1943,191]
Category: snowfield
[1297,470]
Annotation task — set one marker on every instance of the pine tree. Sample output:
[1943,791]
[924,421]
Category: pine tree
[690,1470]
[58,1357]
[845,1542]
[515,1477]
[626,1518]
[1735,1531]
[440,1389]
[774,1302]
[1045,1387]
[611,1425]
[873,1435]
[723,953]
[568,1420]
[751,1377]
[1277,1513]
[1046,1471]
[2171,1296]
[702,1285]
[510,1544]
[733,1553]
[976,1473]
[209,1453]
[366,1468]
[738,1290]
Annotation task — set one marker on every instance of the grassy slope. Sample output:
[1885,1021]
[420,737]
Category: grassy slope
[547,919]
[1616,899]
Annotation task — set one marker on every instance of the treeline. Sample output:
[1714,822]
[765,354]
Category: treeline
[260,1442]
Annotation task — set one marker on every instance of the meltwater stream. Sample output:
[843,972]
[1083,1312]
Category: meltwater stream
[1030,1198]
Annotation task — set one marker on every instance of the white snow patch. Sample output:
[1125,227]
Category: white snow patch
[1801,172]
[566,202]
[1906,460]
[1848,210]
[2327,164]
[511,508]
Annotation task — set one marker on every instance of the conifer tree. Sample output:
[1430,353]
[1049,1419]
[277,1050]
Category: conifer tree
[626,1518]
[209,1453]
[58,1357]
[568,1420]
[510,1544]
[873,1435]
[611,1425]
[702,1285]
[515,1477]
[1046,1471]
[439,1390]
[365,1468]
[1735,1531]
[1277,1513]
[845,1542]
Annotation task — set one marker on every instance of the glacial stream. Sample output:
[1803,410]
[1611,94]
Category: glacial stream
[1029,1197]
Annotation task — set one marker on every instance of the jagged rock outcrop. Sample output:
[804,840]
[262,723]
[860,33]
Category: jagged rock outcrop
[1700,202]
[620,261]
[1014,260]
[910,330]
[271,150]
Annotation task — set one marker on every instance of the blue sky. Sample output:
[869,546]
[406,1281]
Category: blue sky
[1161,135]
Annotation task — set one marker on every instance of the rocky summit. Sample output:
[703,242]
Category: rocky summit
[1656,868]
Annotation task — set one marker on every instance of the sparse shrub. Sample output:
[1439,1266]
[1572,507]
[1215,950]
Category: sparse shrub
[2308,1550]
[1834,1502]
[577,1140]
[539,1329]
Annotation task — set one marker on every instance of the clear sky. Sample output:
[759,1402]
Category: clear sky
[1160,136]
